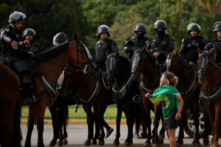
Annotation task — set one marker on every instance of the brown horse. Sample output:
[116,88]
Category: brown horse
[209,78]
[55,60]
[9,112]
[145,70]
[188,88]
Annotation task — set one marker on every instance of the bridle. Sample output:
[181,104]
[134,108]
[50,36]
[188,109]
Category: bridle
[203,60]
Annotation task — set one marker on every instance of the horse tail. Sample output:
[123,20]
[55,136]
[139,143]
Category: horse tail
[16,126]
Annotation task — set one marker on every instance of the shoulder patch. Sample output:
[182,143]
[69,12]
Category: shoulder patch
[7,29]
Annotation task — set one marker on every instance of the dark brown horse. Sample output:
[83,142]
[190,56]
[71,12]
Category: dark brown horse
[118,69]
[210,93]
[188,88]
[9,111]
[55,59]
[145,70]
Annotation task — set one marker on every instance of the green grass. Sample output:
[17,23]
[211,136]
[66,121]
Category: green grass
[111,112]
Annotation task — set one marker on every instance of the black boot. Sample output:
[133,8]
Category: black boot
[137,99]
[26,92]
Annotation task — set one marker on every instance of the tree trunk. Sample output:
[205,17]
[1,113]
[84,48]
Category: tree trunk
[215,9]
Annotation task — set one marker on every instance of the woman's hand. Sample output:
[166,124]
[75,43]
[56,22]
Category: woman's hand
[178,116]
[148,95]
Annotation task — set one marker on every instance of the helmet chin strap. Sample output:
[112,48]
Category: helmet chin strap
[15,27]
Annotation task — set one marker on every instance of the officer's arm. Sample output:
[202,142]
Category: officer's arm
[183,49]
[5,37]
[170,46]
[128,48]
[35,47]
[114,47]
[208,47]
[204,42]
[148,45]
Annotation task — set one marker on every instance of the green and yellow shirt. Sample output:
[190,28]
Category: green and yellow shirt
[166,95]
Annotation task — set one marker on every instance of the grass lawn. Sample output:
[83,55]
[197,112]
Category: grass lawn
[110,113]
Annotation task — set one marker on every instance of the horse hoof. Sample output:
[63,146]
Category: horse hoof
[147,144]
[60,144]
[100,143]
[178,144]
[65,141]
[94,141]
[206,141]
[155,145]
[52,143]
[128,143]
[87,142]
[116,143]
[196,144]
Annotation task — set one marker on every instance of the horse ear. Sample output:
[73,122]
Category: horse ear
[199,51]
[177,53]
[211,51]
[75,37]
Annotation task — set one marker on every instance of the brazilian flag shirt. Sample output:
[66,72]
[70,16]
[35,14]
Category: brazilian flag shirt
[166,95]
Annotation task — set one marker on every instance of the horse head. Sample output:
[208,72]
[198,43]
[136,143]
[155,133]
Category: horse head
[204,63]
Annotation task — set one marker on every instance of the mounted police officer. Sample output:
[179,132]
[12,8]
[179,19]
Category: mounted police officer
[189,47]
[161,44]
[59,38]
[103,47]
[28,43]
[12,53]
[138,41]
[216,44]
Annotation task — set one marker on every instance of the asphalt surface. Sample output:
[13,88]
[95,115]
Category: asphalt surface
[77,134]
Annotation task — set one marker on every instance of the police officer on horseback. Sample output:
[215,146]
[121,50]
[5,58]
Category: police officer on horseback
[161,44]
[138,41]
[103,47]
[12,53]
[189,47]
[59,38]
[216,44]
[28,44]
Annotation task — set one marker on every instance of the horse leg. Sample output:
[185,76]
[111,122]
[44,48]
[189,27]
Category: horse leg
[90,120]
[60,120]
[206,127]
[97,131]
[162,131]
[216,124]
[65,107]
[118,120]
[101,109]
[130,121]
[40,122]
[30,126]
[53,111]
[179,141]
[146,106]
[157,110]
[210,112]
[196,122]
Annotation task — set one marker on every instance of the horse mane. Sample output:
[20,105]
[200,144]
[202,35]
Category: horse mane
[54,51]
[124,60]
[185,62]
[152,61]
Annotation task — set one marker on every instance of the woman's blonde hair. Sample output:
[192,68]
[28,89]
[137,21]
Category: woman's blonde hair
[172,79]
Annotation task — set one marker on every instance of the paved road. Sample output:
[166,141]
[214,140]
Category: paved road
[77,134]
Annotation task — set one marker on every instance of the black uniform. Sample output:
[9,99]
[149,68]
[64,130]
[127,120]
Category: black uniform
[164,44]
[216,45]
[13,58]
[102,50]
[189,48]
[133,43]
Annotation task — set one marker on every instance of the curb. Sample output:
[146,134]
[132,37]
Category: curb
[80,121]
